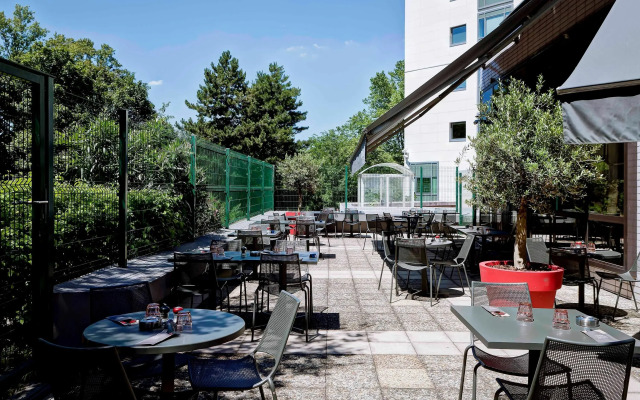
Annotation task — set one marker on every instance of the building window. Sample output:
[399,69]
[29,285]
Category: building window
[462,86]
[489,20]
[458,131]
[458,35]
[489,3]
[429,171]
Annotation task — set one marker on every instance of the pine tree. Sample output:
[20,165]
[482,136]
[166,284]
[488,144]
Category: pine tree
[220,102]
[272,114]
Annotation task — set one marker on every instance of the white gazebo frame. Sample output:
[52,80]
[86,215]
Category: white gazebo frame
[408,184]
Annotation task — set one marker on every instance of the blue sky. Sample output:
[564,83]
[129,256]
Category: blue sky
[329,48]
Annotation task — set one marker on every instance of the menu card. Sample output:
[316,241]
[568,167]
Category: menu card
[600,336]
[124,321]
[155,339]
[495,311]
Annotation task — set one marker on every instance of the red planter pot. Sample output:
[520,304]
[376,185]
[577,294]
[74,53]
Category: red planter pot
[542,284]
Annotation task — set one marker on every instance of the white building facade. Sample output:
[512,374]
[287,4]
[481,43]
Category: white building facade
[436,33]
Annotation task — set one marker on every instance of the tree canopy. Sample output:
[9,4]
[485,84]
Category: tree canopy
[258,119]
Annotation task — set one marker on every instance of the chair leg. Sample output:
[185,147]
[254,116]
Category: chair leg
[255,311]
[306,315]
[633,295]
[262,392]
[617,299]
[475,381]
[393,273]
[464,369]
[273,389]
[381,272]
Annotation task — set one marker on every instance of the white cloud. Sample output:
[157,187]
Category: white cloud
[350,42]
[155,83]
[317,46]
[295,48]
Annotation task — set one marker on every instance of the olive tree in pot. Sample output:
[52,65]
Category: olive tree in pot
[299,173]
[520,158]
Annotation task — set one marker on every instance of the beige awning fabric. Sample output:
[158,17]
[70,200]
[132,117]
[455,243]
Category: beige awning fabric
[416,104]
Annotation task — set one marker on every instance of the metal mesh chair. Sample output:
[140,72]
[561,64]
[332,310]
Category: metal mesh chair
[89,373]
[252,240]
[411,255]
[352,220]
[537,251]
[306,229]
[576,269]
[629,276]
[591,371]
[324,222]
[497,295]
[190,275]
[387,240]
[458,263]
[114,300]
[280,272]
[241,374]
[373,229]
[424,224]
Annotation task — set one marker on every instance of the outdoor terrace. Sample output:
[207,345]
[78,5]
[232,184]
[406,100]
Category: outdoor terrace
[370,349]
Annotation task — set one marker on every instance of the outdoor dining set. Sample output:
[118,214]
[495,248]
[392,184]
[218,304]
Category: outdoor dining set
[277,255]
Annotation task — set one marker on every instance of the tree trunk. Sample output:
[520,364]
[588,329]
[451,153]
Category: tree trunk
[299,200]
[520,248]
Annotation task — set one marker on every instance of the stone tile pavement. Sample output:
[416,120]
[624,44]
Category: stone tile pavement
[368,348]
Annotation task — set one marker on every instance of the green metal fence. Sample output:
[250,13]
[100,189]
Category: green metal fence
[241,183]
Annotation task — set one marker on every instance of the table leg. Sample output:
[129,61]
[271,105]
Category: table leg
[581,296]
[168,373]
[534,356]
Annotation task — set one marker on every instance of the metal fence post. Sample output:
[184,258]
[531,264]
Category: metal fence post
[227,193]
[460,191]
[346,187]
[248,188]
[457,194]
[262,207]
[123,186]
[421,191]
[192,179]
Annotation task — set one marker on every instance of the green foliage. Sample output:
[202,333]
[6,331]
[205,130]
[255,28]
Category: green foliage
[520,153]
[260,120]
[299,173]
[521,158]
[18,34]
[220,102]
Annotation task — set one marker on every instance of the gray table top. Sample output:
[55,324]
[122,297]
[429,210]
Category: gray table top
[210,328]
[443,243]
[235,256]
[112,276]
[508,333]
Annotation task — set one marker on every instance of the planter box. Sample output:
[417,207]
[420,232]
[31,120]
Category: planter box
[542,284]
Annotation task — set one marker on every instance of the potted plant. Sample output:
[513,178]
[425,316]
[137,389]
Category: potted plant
[521,159]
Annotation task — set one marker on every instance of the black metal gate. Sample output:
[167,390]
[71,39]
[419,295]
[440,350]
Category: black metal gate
[26,215]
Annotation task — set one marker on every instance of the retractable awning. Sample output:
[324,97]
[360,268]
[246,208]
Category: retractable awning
[416,104]
[601,98]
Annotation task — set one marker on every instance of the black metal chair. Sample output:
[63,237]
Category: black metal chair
[122,299]
[280,272]
[191,275]
[373,229]
[590,371]
[537,251]
[411,255]
[352,220]
[576,270]
[389,253]
[89,373]
[240,374]
[252,240]
[306,229]
[458,263]
[497,295]
[629,276]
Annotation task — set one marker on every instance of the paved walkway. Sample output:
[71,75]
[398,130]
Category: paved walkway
[370,349]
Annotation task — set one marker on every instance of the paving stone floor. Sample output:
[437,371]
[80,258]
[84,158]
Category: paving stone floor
[368,348]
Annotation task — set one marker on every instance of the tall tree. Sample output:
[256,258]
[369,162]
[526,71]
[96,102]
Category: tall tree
[220,102]
[271,116]
[20,33]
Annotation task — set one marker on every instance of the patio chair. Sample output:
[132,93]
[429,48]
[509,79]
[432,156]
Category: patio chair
[252,240]
[324,222]
[224,274]
[122,299]
[372,228]
[240,374]
[590,371]
[82,373]
[306,229]
[424,224]
[298,245]
[339,218]
[458,263]
[629,276]
[576,270]
[498,295]
[352,220]
[537,251]
[295,280]
[190,274]
[389,253]
[411,255]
